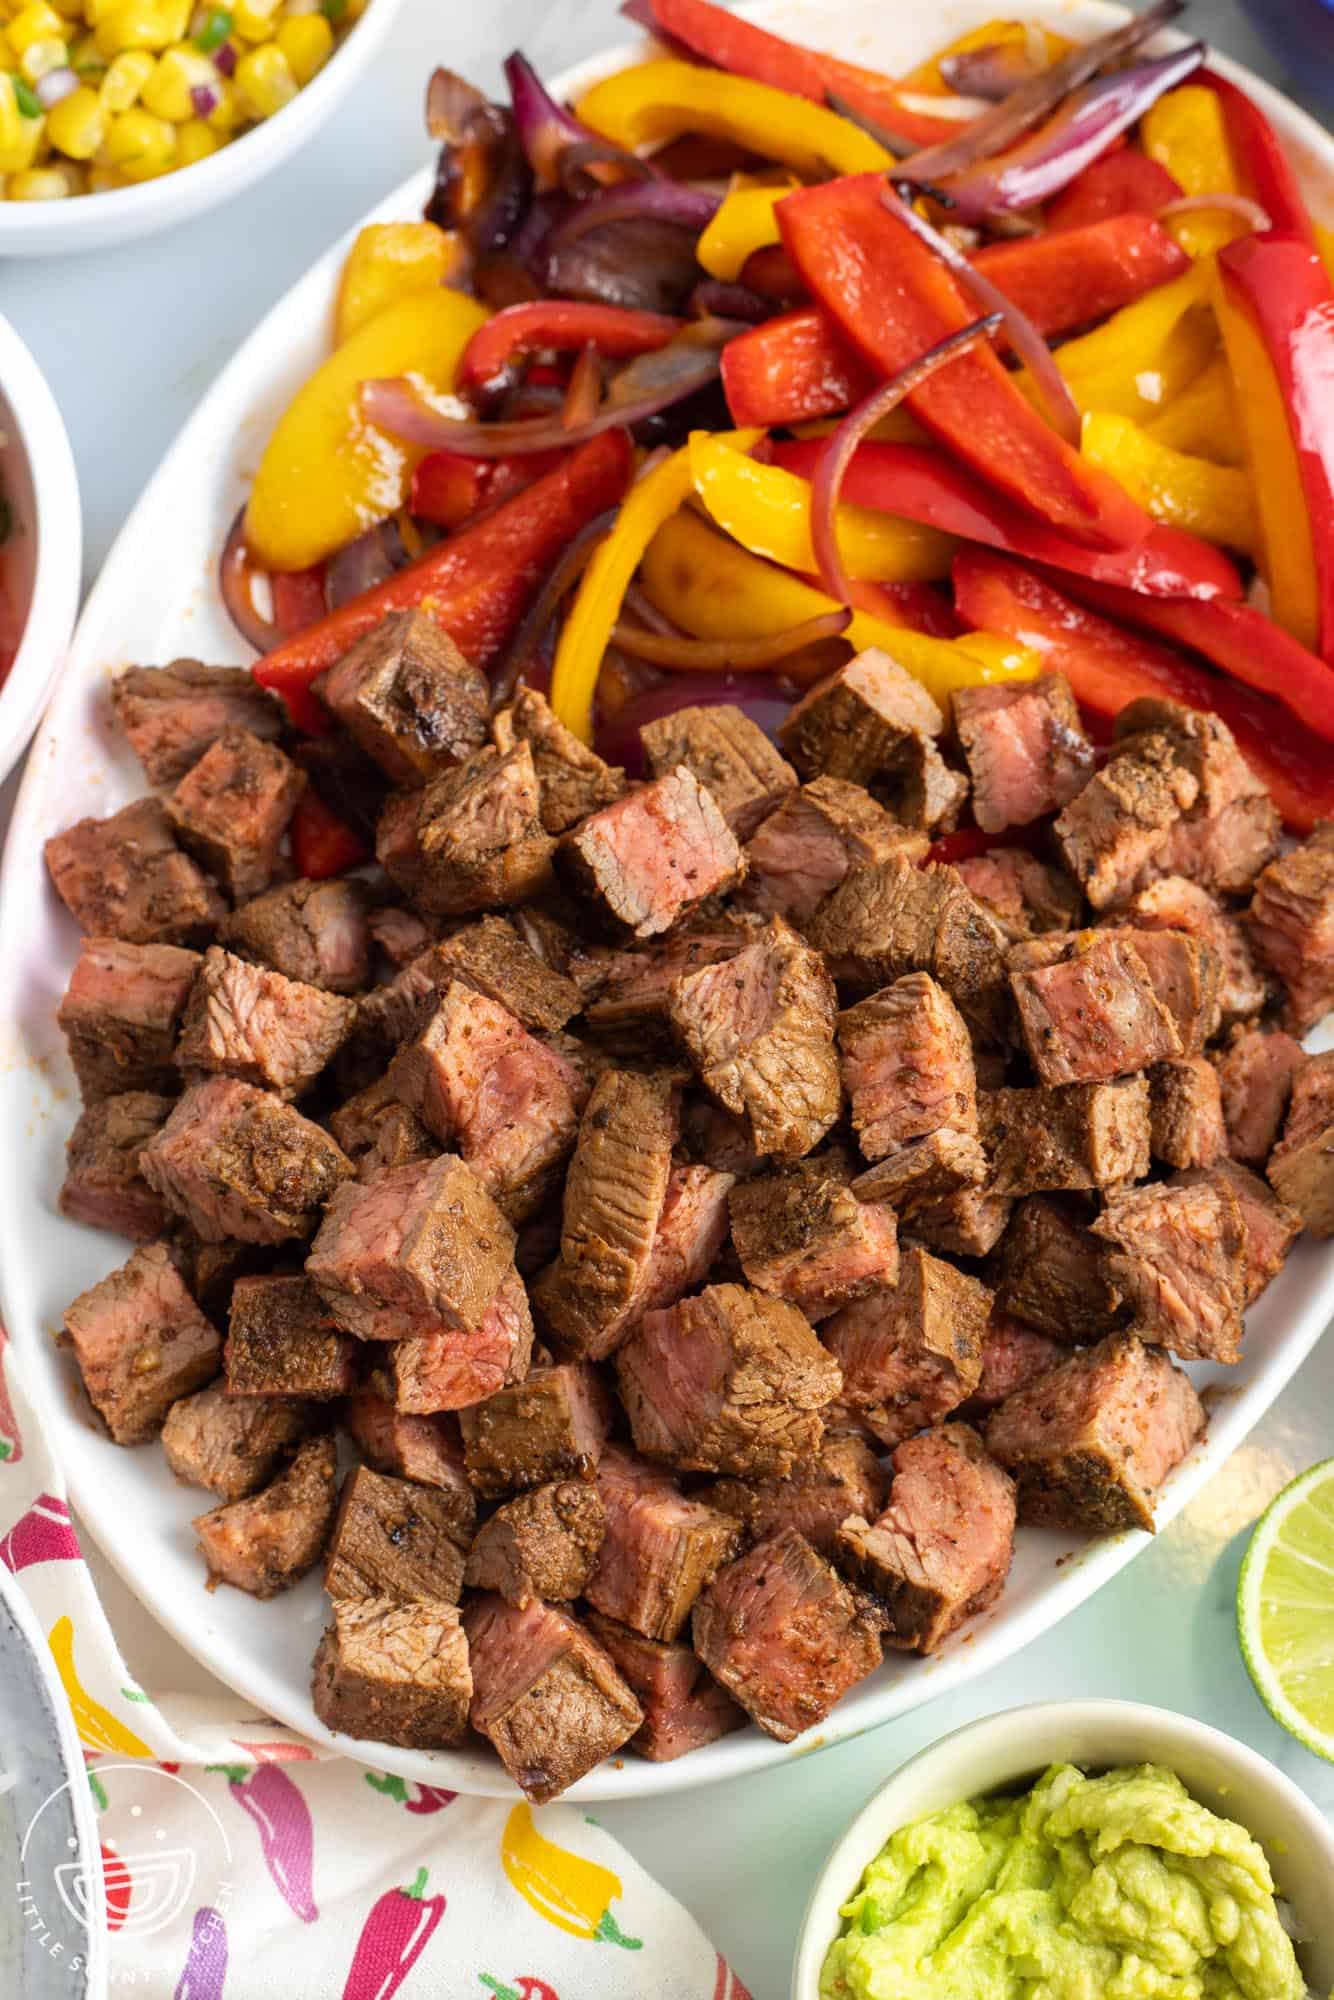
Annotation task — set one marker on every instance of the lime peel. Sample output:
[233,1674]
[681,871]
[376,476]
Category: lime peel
[1285,1609]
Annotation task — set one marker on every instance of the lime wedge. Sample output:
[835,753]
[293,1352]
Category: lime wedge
[1285,1609]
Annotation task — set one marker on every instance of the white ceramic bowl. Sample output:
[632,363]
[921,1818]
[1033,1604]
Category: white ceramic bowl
[94,221]
[38,481]
[1002,1752]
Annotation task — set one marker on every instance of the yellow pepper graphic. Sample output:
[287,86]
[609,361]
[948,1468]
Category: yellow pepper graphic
[97,1726]
[570,1892]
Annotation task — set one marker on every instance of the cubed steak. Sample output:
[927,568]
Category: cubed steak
[269,1540]
[141,1343]
[236,1161]
[401,935]
[729,754]
[1232,830]
[1255,1070]
[232,809]
[721,1141]
[120,1015]
[426,1450]
[1026,748]
[969,1223]
[1291,921]
[920,788]
[1025,895]
[924,1173]
[910,1356]
[854,723]
[406,694]
[759,1030]
[1186,1113]
[684,1707]
[1086,1135]
[942,1549]
[803,850]
[572,780]
[907,1063]
[282,1341]
[376,1131]
[727,1381]
[1174,904]
[784,1634]
[394,1673]
[1091,1443]
[494,960]
[630,1011]
[1094,1014]
[1301,1166]
[479,835]
[393,1539]
[314,932]
[172,714]
[659,1549]
[1113,831]
[1177,1261]
[643,861]
[1050,1271]
[453,1368]
[1186,977]
[246,1021]
[126,877]
[1269,1226]
[541,1546]
[547,1697]
[103,1186]
[802,1235]
[886,921]
[1013,1355]
[691,1233]
[231,1445]
[843,1478]
[552,1425]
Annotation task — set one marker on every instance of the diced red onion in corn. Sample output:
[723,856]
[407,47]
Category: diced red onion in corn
[205,99]
[224,59]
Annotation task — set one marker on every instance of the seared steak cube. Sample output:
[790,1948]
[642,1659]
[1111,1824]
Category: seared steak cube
[1114,830]
[171,714]
[543,1545]
[268,1541]
[394,1673]
[1255,1072]
[1301,1166]
[1292,924]
[907,1065]
[1186,1113]
[1094,1015]
[1050,1271]
[479,836]
[103,1186]
[924,1172]
[886,921]
[494,960]
[942,1549]
[852,724]
[393,1539]
[406,694]
[692,1230]
[1178,1262]
[282,1341]
[1186,976]
[630,1012]
[968,1223]
[801,852]
[1091,1443]
[784,1634]
[1026,748]
[760,1032]
[1174,904]
[419,1250]
[120,1013]
[546,1695]
[141,1342]
[728,1381]
[315,932]
[1023,894]
[451,1369]
[231,1445]
[920,788]
[1232,830]
[426,1450]
[552,1425]
[572,779]
[376,1131]
[397,848]
[236,1161]
[125,877]
[232,808]
[400,934]
[659,1549]
[1269,1226]
[910,1356]
[1086,1135]
[1013,1355]
[802,1235]
[729,754]
[684,1708]
[646,859]
[718,1139]
[245,1021]
[388,1016]
[816,1498]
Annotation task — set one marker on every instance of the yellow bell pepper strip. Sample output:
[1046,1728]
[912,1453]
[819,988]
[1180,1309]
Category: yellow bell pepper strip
[743,224]
[565,1889]
[1186,132]
[326,475]
[1213,501]
[1144,355]
[388,261]
[1203,419]
[658,101]
[1263,167]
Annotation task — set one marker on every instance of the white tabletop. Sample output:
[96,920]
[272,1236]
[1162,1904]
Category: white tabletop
[129,340]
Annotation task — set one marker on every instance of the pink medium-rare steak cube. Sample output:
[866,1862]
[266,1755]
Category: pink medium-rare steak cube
[802,1235]
[401,935]
[784,1635]
[1291,920]
[659,1549]
[1049,1270]
[171,714]
[727,1381]
[1178,1262]
[451,1369]
[1085,1135]
[924,1172]
[729,754]
[232,808]
[1186,1113]
[376,1131]
[1091,1443]
[684,1707]
[103,1186]
[141,1342]
[1301,1166]
[231,1445]
[546,1695]
[491,958]
[394,1673]
[968,1223]
[1013,1355]
[907,1063]
[1269,1226]
[542,1546]
[692,1230]
[120,1014]
[1026,748]
[552,1425]
[1023,894]
[397,848]
[245,1021]
[1255,1071]
[282,1341]
[1174,904]
[630,1010]
[853,724]
[942,1549]
[406,694]
[572,780]
[268,1541]
[125,877]
[1186,977]
[646,859]
[426,1450]
[843,1478]
[419,1251]
[920,788]
[236,1161]
[1119,824]
[479,836]
[393,1539]
[759,1030]
[1233,828]
[1093,1016]
[315,932]
[910,1356]
[801,852]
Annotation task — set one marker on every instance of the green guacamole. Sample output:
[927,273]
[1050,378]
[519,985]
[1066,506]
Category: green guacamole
[1119,1887]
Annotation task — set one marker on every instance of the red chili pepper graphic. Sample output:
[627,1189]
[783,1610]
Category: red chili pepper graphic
[286,1836]
[44,1534]
[11,1439]
[205,1971]
[427,1799]
[119,1887]
[395,1935]
[726,1985]
[277,1753]
[524,1988]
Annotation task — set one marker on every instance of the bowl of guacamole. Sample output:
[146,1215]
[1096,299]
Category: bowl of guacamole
[1078,1851]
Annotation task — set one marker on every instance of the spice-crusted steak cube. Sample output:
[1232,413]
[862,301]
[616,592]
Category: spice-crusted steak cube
[426,1450]
[406,694]
[728,1381]
[907,1064]
[120,1014]
[230,1445]
[245,1021]
[315,932]
[552,1425]
[646,859]
[1023,894]
[450,1370]
[546,1695]
[419,1250]
[1091,1443]
[852,724]
[232,808]
[1050,1271]
[1026,749]
[631,1009]
[1301,1166]
[268,1541]
[236,1161]
[572,779]
[393,1539]
[1086,1135]
[1255,1071]
[495,961]
[1013,1355]
[479,838]
[1094,1015]
[1178,1261]
[760,1032]
[141,1342]
[394,1673]
[803,1235]
[729,754]
[910,1356]
[784,1634]
[376,1131]
[1269,1226]
[1186,1113]
[801,852]
[401,935]
[543,1545]
[1291,921]
[1232,830]
[844,1478]
[659,1549]
[942,1549]
[684,1707]
[1186,977]
[171,714]
[1174,904]
[692,1230]
[103,1186]
[919,787]
[1113,830]
[125,877]
[282,1341]
[968,1223]
[884,922]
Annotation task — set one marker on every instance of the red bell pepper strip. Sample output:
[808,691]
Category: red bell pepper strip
[566,325]
[394,1936]
[791,369]
[1260,160]
[298,598]
[322,844]
[447,488]
[119,1885]
[204,1974]
[1080,275]
[919,606]
[286,1836]
[1107,666]
[921,484]
[477,585]
[893,298]
[1124,182]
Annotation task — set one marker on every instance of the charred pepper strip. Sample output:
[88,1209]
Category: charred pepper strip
[565,325]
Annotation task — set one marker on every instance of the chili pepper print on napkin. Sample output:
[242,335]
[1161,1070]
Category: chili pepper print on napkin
[567,1890]
[420,1799]
[394,1936]
[286,1835]
[98,1728]
[204,1973]
[44,1534]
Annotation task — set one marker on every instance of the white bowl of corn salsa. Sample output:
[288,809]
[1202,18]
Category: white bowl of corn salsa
[118,117]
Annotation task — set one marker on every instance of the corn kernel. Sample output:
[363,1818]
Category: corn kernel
[264,82]
[194,141]
[307,42]
[253,19]
[125,79]
[175,75]
[40,58]
[85,61]
[102,180]
[20,135]
[142,24]
[228,112]
[38,184]
[36,23]
[77,125]
[9,61]
[140,145]
[70,10]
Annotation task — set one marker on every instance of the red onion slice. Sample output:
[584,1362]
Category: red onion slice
[1230,204]
[559,149]
[727,656]
[237,575]
[665,201]
[360,565]
[996,69]
[584,393]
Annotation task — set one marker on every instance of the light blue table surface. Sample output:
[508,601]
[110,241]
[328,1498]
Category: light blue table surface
[129,341]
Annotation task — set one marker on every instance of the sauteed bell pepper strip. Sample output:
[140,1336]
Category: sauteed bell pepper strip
[1262,165]
[1147,353]
[1213,501]
[893,298]
[744,223]
[1203,419]
[791,369]
[1076,276]
[322,844]
[1126,182]
[565,325]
